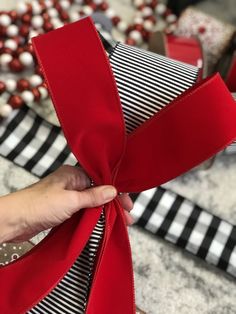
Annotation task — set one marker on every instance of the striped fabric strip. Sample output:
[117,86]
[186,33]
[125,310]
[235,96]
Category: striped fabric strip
[71,294]
[188,226]
[34,153]
[147,82]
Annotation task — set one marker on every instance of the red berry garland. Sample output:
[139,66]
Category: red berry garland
[17,27]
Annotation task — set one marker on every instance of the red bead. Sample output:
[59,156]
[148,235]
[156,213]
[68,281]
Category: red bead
[46,16]
[152,19]
[145,35]
[141,7]
[36,93]
[23,84]
[130,41]
[15,101]
[47,26]
[17,39]
[29,48]
[43,5]
[38,70]
[58,7]
[153,4]
[24,30]
[2,87]
[26,18]
[103,6]
[115,20]
[7,50]
[129,29]
[64,16]
[167,12]
[93,6]
[201,30]
[19,50]
[81,13]
[13,15]
[3,30]
[138,27]
[29,8]
[15,65]
[1,44]
[88,1]
[44,84]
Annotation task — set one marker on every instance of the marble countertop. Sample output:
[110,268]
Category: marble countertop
[168,280]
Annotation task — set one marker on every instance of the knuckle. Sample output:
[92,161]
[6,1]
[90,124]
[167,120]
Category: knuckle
[93,197]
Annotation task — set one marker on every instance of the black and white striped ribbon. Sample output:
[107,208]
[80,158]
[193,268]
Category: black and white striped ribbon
[147,82]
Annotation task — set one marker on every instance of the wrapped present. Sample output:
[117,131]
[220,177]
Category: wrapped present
[214,34]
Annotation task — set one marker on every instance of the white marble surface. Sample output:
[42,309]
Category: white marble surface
[168,280]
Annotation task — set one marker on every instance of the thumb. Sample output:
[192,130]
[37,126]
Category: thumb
[94,197]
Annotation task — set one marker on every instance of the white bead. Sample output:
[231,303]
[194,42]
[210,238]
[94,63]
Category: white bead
[147,12]
[35,80]
[27,96]
[171,18]
[122,26]
[37,21]
[43,92]
[160,8]
[78,1]
[110,13]
[4,98]
[135,35]
[137,3]
[65,4]
[97,2]
[36,7]
[11,44]
[87,10]
[148,25]
[5,20]
[5,110]
[52,12]
[10,85]
[74,16]
[57,23]
[138,20]
[5,58]
[48,3]
[21,7]
[26,58]
[12,30]
[32,34]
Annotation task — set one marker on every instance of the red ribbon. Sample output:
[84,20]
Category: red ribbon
[188,131]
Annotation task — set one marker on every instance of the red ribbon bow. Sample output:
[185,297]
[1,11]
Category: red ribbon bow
[188,131]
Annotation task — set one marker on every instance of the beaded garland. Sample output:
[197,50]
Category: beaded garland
[17,27]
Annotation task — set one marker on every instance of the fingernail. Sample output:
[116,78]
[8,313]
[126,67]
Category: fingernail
[109,193]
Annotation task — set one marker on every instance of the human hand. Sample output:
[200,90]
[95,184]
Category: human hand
[51,201]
